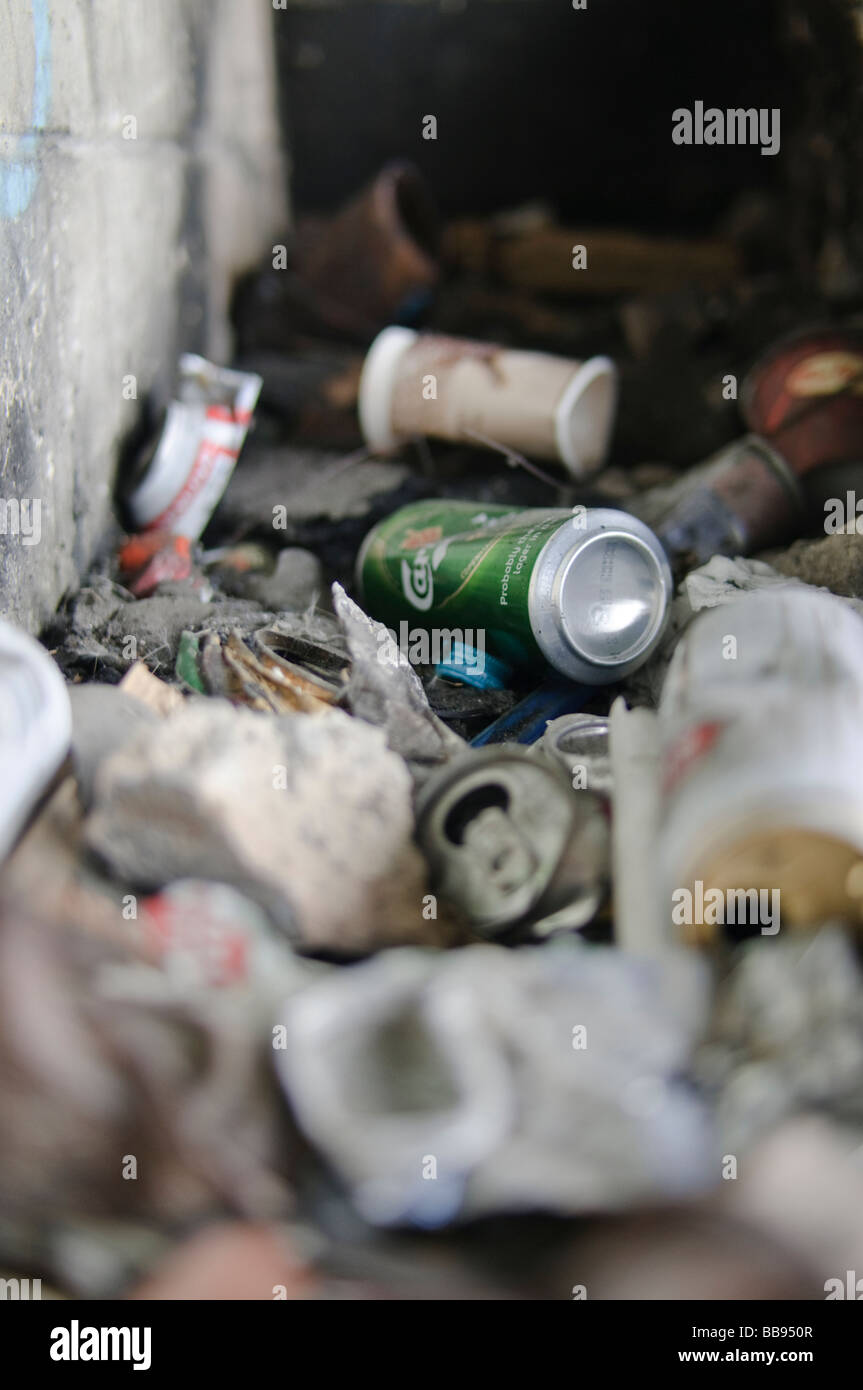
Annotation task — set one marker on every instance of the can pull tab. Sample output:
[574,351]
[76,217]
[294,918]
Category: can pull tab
[495,825]
[501,849]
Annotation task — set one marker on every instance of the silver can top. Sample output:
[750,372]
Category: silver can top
[579,744]
[599,595]
[511,845]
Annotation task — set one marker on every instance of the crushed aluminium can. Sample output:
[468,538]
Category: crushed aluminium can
[585,590]
[511,847]
[205,429]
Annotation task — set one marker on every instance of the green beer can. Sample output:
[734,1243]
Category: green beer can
[586,590]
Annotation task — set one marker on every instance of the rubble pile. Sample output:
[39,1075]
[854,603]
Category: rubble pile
[433,828]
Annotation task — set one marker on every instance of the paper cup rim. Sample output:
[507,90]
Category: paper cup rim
[376,386]
[582,443]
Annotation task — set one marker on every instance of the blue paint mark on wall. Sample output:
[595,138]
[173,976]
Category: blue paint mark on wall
[19,175]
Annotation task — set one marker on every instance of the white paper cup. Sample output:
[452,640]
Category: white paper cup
[469,392]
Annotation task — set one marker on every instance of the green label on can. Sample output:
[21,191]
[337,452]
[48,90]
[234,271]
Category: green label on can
[458,565]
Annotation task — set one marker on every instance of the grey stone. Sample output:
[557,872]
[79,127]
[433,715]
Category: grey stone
[294,584]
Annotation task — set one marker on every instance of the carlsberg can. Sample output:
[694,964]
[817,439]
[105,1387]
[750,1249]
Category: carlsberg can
[585,590]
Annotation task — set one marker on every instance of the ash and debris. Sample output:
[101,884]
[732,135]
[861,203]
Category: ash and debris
[253,989]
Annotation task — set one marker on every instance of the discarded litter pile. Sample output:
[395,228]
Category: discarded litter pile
[410,872]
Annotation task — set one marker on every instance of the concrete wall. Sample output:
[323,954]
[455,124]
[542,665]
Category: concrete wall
[139,170]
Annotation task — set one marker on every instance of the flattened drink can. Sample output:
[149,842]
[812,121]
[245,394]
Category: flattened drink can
[585,590]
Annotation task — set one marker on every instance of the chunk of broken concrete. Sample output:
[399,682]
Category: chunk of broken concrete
[384,689]
[310,817]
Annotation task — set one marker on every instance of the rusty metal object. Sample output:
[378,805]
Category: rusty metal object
[272,684]
[803,400]
[308,666]
[747,500]
[379,253]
